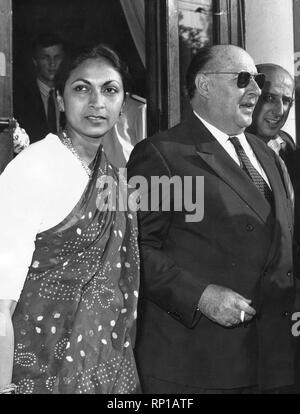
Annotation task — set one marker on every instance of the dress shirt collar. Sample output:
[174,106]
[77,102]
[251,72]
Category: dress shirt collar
[44,89]
[220,136]
[277,144]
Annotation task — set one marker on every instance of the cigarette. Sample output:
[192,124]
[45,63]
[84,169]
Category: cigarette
[242,316]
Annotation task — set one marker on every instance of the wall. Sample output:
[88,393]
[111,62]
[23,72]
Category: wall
[269,37]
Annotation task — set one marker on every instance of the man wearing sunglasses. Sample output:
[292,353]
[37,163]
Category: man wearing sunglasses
[272,109]
[217,294]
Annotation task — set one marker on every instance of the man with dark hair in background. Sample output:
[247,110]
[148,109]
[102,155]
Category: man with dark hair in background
[273,108]
[35,105]
[271,113]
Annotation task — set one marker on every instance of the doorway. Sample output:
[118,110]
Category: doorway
[79,23]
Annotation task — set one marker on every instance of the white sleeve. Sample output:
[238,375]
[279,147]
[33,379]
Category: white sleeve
[21,205]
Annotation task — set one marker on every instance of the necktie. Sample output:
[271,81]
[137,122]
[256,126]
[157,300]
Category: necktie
[51,114]
[247,166]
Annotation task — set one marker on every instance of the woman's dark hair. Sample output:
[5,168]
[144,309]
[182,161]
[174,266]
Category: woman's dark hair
[100,51]
[198,62]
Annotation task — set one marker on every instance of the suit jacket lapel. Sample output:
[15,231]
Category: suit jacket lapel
[283,208]
[270,168]
[214,155]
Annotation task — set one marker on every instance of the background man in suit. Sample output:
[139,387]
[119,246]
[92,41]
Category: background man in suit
[273,107]
[217,295]
[35,105]
[272,111]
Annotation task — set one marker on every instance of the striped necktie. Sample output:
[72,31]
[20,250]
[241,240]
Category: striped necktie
[254,175]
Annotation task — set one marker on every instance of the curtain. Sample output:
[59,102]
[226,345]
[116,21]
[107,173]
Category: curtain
[134,11]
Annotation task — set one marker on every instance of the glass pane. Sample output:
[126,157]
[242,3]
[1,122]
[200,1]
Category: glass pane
[195,31]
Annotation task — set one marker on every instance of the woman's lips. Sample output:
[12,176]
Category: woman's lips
[96,118]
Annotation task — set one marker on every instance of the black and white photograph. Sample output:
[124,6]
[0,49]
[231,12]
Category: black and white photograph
[150,199]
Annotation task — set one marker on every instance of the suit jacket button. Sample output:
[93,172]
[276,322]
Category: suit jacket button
[249,227]
[289,273]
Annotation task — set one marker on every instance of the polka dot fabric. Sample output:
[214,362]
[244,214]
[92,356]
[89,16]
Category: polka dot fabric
[75,320]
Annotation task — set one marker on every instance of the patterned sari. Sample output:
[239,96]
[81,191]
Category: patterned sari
[75,320]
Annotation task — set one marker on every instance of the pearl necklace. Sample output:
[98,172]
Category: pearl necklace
[68,143]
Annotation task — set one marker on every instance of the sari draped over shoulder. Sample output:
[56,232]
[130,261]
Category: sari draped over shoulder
[75,320]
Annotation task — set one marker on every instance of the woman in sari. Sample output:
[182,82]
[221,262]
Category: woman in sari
[69,265]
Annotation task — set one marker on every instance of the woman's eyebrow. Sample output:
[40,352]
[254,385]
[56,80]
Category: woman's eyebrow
[89,83]
[81,80]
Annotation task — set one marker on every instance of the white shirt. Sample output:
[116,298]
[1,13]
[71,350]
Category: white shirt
[276,144]
[38,188]
[224,140]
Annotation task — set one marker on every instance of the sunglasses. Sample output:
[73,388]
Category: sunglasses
[243,78]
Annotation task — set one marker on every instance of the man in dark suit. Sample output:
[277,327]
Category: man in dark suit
[273,108]
[217,294]
[35,105]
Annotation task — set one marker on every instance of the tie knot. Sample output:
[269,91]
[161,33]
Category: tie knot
[235,142]
[51,93]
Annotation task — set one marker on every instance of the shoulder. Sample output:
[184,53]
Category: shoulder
[40,151]
[29,87]
[293,165]
[291,145]
[254,139]
[181,137]
[158,141]
[158,152]
[262,148]
[134,101]
[134,104]
[258,143]
[138,98]
[26,178]
[37,161]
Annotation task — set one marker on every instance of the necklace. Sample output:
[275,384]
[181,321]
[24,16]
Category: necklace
[68,143]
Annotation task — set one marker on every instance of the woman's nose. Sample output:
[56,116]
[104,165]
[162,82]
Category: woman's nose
[97,99]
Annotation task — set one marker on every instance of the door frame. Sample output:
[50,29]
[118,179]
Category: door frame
[162,54]
[6,107]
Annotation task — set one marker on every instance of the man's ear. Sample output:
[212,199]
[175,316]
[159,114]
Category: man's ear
[202,85]
[34,62]
[60,102]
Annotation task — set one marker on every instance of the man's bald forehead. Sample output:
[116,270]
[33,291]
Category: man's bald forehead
[223,55]
[271,69]
[217,58]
